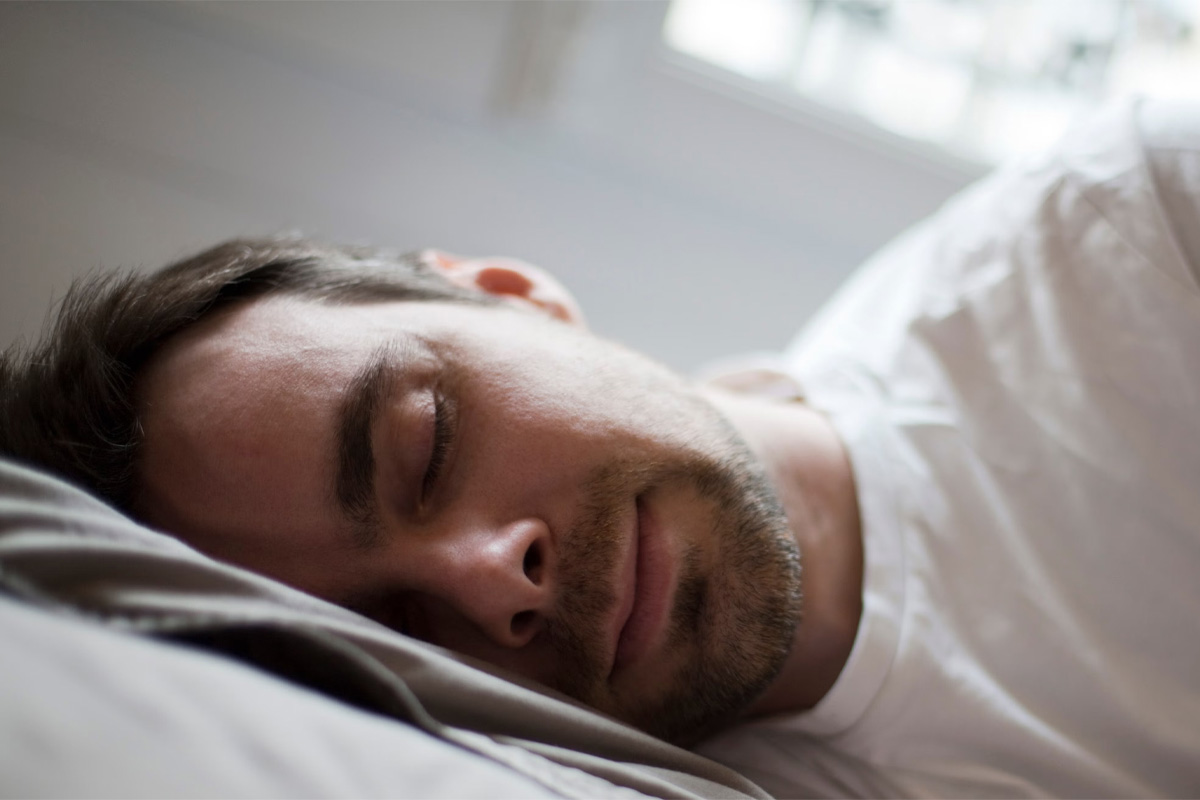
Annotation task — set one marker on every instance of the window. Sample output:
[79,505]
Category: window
[986,79]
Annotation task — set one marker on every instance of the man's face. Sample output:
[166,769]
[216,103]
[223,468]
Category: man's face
[488,480]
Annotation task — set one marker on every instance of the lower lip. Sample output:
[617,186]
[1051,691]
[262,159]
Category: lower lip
[651,594]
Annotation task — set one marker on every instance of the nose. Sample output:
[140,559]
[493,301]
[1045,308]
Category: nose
[500,578]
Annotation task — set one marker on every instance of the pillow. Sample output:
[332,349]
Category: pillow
[135,665]
[90,712]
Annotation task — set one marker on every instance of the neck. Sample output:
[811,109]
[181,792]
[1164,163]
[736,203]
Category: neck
[808,465]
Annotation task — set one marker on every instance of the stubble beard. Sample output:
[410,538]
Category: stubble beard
[731,626]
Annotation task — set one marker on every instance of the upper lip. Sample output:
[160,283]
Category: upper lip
[626,586]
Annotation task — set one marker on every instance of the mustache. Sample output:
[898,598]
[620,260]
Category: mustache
[587,568]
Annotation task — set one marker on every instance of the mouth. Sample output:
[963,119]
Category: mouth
[643,611]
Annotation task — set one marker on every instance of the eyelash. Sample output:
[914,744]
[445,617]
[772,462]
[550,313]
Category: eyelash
[443,436]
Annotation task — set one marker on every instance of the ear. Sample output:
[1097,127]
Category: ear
[516,282]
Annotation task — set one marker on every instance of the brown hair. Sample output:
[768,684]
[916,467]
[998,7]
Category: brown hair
[67,402]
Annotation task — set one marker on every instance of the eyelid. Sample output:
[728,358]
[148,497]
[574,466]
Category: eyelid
[444,435]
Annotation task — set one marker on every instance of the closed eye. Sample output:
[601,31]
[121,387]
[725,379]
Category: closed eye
[444,428]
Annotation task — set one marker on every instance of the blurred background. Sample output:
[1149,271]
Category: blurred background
[702,173]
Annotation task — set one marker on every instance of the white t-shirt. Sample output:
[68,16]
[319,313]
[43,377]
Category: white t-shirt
[1017,382]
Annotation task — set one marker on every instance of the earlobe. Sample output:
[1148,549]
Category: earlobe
[512,280]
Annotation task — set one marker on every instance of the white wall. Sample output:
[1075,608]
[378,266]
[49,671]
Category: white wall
[133,134]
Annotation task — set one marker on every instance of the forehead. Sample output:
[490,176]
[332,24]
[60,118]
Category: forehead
[258,338]
[313,336]
[238,411]
[290,346]
[243,382]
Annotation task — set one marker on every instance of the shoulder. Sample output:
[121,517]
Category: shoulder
[1114,206]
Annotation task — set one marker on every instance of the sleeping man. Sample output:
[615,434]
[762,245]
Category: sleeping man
[947,543]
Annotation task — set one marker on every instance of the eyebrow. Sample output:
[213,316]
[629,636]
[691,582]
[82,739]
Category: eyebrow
[362,403]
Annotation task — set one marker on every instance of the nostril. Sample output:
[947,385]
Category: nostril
[522,621]
[533,563]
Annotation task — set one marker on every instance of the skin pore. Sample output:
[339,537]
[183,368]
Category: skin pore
[535,497]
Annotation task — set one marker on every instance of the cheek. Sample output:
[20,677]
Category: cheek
[577,393]
[546,399]
[569,423]
[453,632]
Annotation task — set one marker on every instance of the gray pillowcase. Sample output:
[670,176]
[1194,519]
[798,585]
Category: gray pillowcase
[135,665]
